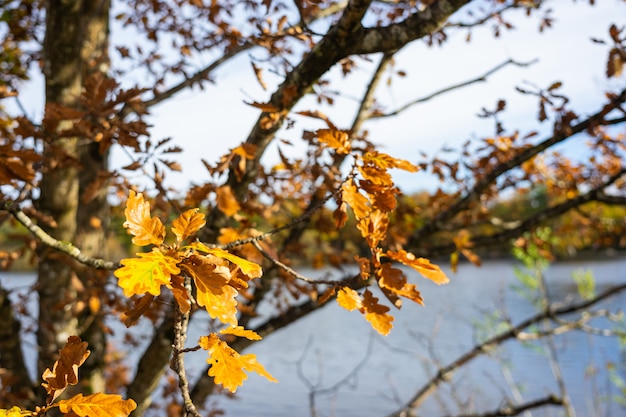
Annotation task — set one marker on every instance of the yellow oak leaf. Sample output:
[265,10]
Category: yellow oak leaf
[65,369]
[145,229]
[421,265]
[374,227]
[383,161]
[241,332]
[14,412]
[97,405]
[187,224]
[147,273]
[394,280]
[349,299]
[339,140]
[376,314]
[357,201]
[250,269]
[219,301]
[228,366]
[376,176]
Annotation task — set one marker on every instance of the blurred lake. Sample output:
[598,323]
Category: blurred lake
[353,371]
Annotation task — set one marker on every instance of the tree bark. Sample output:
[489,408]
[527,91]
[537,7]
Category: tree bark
[75,46]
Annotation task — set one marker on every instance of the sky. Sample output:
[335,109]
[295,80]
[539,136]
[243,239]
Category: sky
[206,123]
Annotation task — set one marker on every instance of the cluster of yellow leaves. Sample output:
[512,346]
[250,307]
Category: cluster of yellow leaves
[372,199]
[217,275]
[65,373]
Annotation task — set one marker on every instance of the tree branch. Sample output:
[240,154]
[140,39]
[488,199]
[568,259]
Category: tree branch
[514,410]
[48,240]
[151,366]
[482,184]
[514,229]
[445,373]
[177,364]
[481,78]
[395,36]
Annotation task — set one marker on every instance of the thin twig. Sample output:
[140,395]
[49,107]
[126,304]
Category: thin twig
[481,78]
[518,409]
[445,373]
[178,357]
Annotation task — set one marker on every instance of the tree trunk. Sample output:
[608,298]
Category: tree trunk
[75,47]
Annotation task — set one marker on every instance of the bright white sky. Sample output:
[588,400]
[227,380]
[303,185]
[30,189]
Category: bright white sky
[207,123]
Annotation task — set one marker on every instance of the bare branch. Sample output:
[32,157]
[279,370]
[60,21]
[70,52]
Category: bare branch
[151,366]
[445,373]
[514,410]
[481,78]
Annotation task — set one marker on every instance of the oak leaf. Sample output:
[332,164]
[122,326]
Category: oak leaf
[65,370]
[338,140]
[187,224]
[226,201]
[384,162]
[98,405]
[180,293]
[228,366]
[359,203]
[131,317]
[349,299]
[376,314]
[211,276]
[147,273]
[241,332]
[421,265]
[145,229]
[14,412]
[394,280]
[218,300]
[250,269]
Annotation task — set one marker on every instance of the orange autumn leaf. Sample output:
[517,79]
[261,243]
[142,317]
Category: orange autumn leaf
[65,370]
[421,265]
[376,314]
[180,293]
[211,276]
[359,203]
[394,280]
[383,161]
[226,201]
[147,273]
[131,317]
[145,229]
[228,366]
[97,405]
[250,269]
[187,224]
[340,215]
[338,140]
[374,227]
[239,331]
[349,299]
